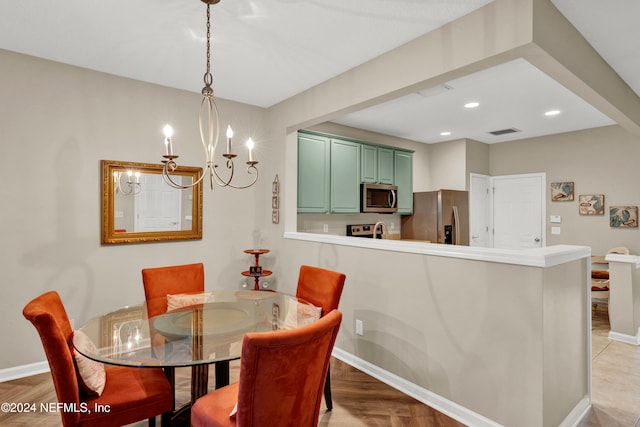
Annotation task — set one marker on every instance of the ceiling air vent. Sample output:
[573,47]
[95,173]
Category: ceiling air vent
[504,131]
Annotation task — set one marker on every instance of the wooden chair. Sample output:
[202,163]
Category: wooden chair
[281,377]
[321,288]
[131,394]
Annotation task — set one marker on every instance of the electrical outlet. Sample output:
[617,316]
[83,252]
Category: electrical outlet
[325,228]
[359,327]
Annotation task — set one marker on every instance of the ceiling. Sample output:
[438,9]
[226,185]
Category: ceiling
[269,50]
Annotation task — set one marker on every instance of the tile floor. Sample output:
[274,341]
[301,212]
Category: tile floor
[615,378]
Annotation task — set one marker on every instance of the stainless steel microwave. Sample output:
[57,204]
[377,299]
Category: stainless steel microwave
[378,198]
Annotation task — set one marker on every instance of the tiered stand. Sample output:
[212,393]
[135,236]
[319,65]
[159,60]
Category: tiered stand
[261,272]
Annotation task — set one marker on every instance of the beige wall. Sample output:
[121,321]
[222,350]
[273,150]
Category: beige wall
[508,342]
[57,123]
[598,161]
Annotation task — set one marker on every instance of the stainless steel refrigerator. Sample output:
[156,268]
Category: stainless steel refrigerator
[439,217]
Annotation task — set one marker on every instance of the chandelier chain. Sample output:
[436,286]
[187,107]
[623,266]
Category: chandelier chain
[208,77]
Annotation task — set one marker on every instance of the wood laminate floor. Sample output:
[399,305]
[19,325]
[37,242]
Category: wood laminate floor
[360,400]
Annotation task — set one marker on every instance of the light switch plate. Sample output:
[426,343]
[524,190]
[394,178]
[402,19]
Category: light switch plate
[555,230]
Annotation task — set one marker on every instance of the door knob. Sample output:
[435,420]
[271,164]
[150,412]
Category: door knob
[537,239]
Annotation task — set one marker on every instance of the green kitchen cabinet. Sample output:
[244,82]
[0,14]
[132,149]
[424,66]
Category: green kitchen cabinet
[377,165]
[369,169]
[386,166]
[313,173]
[403,173]
[345,176]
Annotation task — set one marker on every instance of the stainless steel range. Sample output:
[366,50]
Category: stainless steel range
[363,230]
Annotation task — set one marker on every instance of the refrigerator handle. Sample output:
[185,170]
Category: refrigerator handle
[456,225]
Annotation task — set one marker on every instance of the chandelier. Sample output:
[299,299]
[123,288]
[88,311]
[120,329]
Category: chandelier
[209,135]
[131,187]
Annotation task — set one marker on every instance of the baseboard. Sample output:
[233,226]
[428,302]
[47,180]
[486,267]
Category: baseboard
[439,403]
[629,339]
[578,412]
[22,371]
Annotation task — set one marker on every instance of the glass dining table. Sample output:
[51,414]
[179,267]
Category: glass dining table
[206,329]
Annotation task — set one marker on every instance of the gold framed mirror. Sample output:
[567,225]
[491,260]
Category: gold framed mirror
[139,206]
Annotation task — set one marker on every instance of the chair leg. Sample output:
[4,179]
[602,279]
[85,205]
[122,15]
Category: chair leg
[152,422]
[327,390]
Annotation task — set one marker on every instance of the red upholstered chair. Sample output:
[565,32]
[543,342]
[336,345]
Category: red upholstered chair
[132,394]
[321,288]
[281,377]
[161,281]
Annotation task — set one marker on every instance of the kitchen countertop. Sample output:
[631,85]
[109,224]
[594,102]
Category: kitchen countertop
[536,257]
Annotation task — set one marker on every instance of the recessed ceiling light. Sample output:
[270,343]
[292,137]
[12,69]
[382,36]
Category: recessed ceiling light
[552,113]
[446,133]
[471,104]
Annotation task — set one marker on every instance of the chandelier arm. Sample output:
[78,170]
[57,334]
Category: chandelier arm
[227,183]
[169,167]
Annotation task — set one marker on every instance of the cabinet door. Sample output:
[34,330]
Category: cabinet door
[403,165]
[313,174]
[345,176]
[385,166]
[369,164]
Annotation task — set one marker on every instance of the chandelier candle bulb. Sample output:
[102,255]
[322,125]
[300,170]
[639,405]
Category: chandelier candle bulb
[250,145]
[229,136]
[168,133]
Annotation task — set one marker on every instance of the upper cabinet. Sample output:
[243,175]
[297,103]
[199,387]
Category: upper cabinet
[403,176]
[330,170]
[345,176]
[386,166]
[376,165]
[313,173]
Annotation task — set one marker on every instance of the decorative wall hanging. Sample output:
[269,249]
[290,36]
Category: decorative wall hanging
[561,191]
[591,204]
[275,200]
[623,216]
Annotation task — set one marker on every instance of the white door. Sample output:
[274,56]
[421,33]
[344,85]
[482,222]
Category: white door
[479,210]
[518,211]
[157,205]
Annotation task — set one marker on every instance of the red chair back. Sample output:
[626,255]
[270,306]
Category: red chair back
[48,315]
[160,281]
[320,287]
[131,394]
[282,374]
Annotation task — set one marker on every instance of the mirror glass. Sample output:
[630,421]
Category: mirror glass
[139,206]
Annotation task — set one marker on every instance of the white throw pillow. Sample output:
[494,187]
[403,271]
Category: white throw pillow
[177,301]
[300,314]
[91,374]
